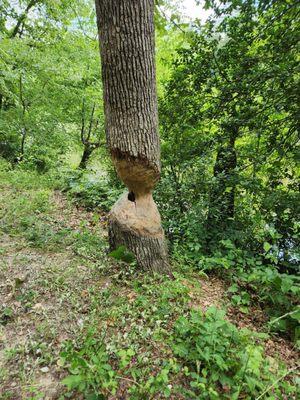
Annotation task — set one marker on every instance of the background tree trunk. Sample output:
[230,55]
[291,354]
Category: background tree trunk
[126,34]
[23,122]
[87,151]
[222,194]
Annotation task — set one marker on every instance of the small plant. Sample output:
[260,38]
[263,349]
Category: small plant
[89,367]
[240,298]
[255,280]
[122,254]
[220,360]
[6,315]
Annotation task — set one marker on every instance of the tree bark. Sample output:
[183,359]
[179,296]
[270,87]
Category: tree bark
[126,35]
[222,195]
[87,151]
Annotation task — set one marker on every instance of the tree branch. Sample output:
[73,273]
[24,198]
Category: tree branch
[22,18]
[82,122]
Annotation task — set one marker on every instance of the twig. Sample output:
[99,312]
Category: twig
[274,383]
[283,316]
[170,20]
[129,380]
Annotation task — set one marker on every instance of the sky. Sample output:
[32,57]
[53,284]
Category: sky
[191,10]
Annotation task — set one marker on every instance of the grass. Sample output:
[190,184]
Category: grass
[90,327]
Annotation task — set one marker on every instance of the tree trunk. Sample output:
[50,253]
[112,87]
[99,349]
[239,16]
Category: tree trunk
[126,34]
[222,195]
[87,151]
[22,148]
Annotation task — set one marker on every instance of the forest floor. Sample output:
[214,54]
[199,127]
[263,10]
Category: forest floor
[56,282]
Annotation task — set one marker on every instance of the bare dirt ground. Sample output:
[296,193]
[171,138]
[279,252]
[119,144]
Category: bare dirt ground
[44,295]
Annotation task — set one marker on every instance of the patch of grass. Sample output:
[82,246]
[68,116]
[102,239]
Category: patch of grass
[27,209]
[88,243]
[30,212]
[20,211]
[22,179]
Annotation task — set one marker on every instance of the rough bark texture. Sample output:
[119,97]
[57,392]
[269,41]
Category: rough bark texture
[126,34]
[222,195]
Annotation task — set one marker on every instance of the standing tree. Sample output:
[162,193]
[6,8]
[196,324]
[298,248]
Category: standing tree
[126,35]
[89,135]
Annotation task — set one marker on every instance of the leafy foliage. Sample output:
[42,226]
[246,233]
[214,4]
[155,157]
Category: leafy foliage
[122,254]
[221,360]
[89,367]
[229,127]
[91,190]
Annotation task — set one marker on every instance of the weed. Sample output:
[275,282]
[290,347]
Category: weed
[221,360]
[88,363]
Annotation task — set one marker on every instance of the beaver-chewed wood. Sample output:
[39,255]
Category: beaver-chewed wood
[126,35]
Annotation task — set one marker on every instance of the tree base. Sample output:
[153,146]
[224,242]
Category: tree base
[136,225]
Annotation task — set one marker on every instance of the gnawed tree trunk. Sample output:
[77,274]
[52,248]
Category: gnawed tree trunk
[126,34]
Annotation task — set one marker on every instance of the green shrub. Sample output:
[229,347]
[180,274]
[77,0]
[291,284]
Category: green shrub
[254,279]
[89,367]
[222,361]
[91,190]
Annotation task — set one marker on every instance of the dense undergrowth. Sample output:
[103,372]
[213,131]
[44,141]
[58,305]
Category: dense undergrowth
[149,336]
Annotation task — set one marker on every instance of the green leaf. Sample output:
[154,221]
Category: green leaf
[73,381]
[296,315]
[122,254]
[267,246]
